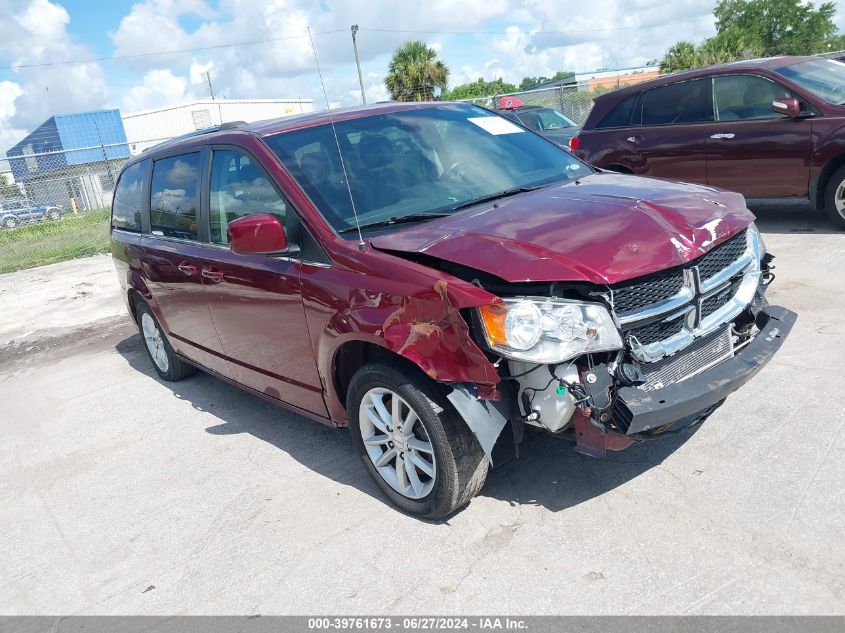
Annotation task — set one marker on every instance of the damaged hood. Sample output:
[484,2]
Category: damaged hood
[603,229]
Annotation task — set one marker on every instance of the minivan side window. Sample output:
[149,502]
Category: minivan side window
[742,97]
[620,114]
[239,187]
[684,102]
[129,197]
[174,196]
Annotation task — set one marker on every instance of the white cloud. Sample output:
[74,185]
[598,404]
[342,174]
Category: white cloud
[159,85]
[35,33]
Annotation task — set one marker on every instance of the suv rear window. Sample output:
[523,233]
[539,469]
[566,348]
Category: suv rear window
[129,197]
[174,196]
[620,115]
[684,102]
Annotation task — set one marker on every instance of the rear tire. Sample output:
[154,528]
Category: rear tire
[53,215]
[834,198]
[10,223]
[422,436]
[167,364]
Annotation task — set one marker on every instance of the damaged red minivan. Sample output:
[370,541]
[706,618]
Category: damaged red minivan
[426,273]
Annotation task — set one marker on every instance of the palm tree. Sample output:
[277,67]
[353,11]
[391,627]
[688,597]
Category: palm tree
[681,56]
[415,72]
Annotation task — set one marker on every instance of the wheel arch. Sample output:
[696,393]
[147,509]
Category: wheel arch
[817,192]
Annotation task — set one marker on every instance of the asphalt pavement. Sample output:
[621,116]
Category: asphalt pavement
[120,494]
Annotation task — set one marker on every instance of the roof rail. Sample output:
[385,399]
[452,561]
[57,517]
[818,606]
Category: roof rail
[226,125]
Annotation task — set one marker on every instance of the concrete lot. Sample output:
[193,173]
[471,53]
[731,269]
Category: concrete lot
[123,495]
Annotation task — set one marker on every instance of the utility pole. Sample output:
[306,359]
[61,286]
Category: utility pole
[210,89]
[358,63]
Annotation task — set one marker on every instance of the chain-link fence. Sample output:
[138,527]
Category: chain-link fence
[575,104]
[50,186]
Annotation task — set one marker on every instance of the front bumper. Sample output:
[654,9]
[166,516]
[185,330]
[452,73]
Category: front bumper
[636,411]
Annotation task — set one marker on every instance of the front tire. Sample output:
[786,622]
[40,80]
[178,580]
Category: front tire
[834,198]
[420,452]
[54,215]
[10,223]
[167,364]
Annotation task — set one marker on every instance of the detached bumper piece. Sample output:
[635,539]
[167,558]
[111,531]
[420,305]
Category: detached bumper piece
[637,411]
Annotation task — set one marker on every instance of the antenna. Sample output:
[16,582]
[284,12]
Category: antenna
[361,244]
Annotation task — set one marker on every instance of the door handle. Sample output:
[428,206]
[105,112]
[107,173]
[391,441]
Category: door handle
[214,275]
[634,139]
[723,135]
[188,269]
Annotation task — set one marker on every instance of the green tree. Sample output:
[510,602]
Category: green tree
[777,27]
[680,56]
[757,28]
[479,88]
[528,83]
[8,190]
[415,72]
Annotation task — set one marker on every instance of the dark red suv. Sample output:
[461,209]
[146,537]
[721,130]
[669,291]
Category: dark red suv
[766,128]
[427,273]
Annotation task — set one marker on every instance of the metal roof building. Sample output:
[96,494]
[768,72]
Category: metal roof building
[66,140]
[150,127]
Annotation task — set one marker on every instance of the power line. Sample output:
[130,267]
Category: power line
[373,29]
[541,32]
[176,52]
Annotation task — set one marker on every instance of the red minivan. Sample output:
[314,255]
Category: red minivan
[767,128]
[428,273]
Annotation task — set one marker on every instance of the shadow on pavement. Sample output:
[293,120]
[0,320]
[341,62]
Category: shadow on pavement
[790,216]
[548,472]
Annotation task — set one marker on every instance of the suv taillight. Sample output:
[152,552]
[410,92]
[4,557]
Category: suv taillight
[574,143]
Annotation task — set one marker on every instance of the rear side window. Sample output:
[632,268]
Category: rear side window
[129,197]
[174,196]
[620,115]
[684,102]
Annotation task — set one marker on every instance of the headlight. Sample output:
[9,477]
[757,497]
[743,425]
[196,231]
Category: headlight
[548,330]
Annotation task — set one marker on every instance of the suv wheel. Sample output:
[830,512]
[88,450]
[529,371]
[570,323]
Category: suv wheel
[410,439]
[834,198]
[167,364]
[53,214]
[10,222]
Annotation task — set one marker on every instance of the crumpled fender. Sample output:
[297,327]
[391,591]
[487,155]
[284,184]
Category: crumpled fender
[430,332]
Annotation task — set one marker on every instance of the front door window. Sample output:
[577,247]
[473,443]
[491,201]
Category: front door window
[238,188]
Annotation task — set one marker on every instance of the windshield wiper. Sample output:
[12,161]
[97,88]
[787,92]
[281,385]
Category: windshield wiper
[399,219]
[495,196]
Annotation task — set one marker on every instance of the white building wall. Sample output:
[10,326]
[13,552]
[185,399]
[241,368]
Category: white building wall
[150,127]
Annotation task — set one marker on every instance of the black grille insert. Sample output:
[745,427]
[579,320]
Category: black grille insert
[712,263]
[657,331]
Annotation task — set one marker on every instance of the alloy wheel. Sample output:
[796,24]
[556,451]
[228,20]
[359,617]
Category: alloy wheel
[397,443]
[155,342]
[839,199]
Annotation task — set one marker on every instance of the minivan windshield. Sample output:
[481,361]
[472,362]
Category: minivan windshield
[825,78]
[416,164]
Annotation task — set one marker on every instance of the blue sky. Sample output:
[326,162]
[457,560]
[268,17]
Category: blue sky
[498,38]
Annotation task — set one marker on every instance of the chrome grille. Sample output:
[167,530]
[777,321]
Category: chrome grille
[665,313]
[631,297]
[702,354]
[718,299]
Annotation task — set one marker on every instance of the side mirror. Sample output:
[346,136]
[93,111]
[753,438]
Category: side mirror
[788,106]
[257,234]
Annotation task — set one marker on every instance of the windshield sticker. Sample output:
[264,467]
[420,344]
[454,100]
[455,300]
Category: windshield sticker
[495,125]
